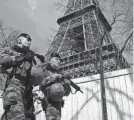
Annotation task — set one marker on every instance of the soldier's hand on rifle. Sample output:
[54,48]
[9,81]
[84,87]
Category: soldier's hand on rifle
[57,76]
[29,56]
[49,79]
[54,77]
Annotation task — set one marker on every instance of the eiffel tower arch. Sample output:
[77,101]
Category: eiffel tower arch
[77,40]
[83,31]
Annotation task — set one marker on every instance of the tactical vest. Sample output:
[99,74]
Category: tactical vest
[21,71]
[55,89]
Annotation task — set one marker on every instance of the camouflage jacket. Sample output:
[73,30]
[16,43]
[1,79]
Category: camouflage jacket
[5,61]
[48,80]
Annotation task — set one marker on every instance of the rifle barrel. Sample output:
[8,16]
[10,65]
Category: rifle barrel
[76,86]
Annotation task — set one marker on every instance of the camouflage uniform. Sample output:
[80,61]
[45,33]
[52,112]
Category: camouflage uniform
[52,108]
[14,97]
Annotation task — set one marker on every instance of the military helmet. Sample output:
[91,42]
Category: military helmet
[56,92]
[25,35]
[37,75]
[54,54]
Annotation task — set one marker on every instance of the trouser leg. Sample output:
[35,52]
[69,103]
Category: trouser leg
[13,103]
[52,113]
[16,112]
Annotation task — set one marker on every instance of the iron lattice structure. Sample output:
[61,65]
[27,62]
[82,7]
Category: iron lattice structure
[77,40]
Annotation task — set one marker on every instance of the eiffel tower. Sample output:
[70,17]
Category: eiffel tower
[77,41]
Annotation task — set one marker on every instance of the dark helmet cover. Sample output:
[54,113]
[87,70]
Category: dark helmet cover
[25,35]
[54,54]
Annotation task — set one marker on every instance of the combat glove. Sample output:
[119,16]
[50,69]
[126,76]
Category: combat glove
[29,56]
[56,77]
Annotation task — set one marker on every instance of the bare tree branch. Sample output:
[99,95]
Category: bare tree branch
[61,5]
[7,35]
[2,31]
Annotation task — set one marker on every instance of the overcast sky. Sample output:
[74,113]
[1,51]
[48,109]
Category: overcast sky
[32,16]
[35,17]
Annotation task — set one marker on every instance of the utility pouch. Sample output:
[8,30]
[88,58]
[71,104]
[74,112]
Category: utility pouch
[44,103]
[25,67]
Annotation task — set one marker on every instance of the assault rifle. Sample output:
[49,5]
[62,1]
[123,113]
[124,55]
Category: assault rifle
[76,87]
[26,51]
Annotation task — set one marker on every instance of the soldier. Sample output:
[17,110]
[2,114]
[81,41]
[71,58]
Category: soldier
[17,65]
[54,86]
